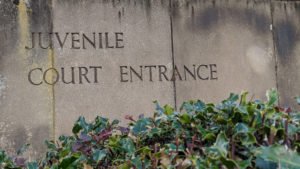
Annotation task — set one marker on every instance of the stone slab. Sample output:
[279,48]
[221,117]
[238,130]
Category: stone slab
[287,35]
[232,41]
[144,27]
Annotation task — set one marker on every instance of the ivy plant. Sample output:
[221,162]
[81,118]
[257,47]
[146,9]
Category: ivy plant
[234,134]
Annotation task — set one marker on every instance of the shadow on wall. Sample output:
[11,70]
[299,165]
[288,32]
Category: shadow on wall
[286,35]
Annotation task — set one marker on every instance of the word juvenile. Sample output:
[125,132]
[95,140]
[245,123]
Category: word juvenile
[76,40]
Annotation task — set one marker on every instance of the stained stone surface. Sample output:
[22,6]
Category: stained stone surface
[232,38]
[25,110]
[287,35]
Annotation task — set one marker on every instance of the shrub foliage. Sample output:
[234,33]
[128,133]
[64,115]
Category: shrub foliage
[236,133]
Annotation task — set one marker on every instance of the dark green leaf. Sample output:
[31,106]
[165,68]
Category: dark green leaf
[229,163]
[76,128]
[67,162]
[209,137]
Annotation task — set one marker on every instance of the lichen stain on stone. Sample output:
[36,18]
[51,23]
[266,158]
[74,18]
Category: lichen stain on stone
[121,13]
[286,31]
[50,78]
[5,132]
[2,87]
[297,5]
[287,37]
[23,23]
[119,16]
[210,17]
[16,2]
[42,133]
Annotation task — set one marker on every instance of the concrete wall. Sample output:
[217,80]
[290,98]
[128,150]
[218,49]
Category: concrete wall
[144,50]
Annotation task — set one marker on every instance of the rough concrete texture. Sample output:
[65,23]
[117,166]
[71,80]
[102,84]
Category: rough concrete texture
[287,43]
[25,110]
[235,35]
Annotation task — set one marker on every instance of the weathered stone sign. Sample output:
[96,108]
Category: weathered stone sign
[62,59]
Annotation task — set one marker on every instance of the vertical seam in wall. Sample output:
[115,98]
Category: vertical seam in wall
[172,51]
[274,47]
[52,65]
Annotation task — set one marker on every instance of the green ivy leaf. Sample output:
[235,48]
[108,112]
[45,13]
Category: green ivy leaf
[99,155]
[124,166]
[229,102]
[220,147]
[249,139]
[280,155]
[23,149]
[185,118]
[137,162]
[32,165]
[50,145]
[233,97]
[209,137]
[298,99]
[263,164]
[141,126]
[168,110]
[244,164]
[229,163]
[67,162]
[128,146]
[200,106]
[158,108]
[76,128]
[241,128]
[293,129]
[102,123]
[243,100]
[187,106]
[272,97]
[145,150]
[243,110]
[222,143]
